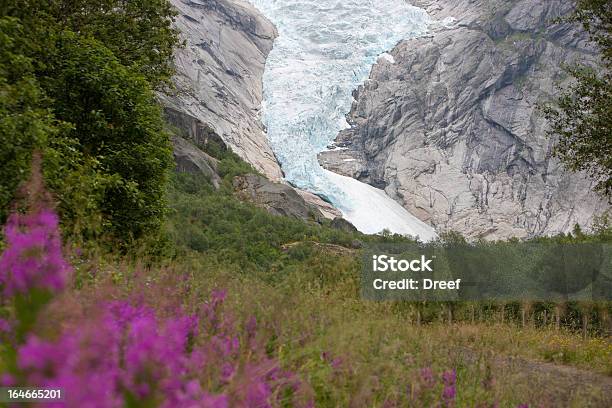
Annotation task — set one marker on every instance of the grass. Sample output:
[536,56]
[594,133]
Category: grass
[357,353]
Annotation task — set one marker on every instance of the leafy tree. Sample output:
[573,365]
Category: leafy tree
[76,82]
[24,124]
[116,120]
[582,115]
[138,32]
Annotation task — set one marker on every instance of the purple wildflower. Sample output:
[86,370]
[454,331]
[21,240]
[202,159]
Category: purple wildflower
[33,258]
[227,372]
[449,377]
[258,395]
[210,310]
[7,380]
[449,393]
[336,363]
[128,350]
[214,401]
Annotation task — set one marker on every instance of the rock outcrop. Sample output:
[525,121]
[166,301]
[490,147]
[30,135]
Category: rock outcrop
[276,198]
[450,125]
[192,139]
[219,74]
[190,159]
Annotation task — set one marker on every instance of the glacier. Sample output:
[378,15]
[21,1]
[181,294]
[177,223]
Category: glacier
[325,49]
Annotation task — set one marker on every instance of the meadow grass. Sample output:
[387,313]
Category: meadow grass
[360,353]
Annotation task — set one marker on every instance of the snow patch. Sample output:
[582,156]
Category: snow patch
[371,210]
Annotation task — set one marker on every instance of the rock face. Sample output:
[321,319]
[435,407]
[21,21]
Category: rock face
[276,198]
[190,159]
[329,211]
[191,128]
[451,128]
[219,74]
[219,92]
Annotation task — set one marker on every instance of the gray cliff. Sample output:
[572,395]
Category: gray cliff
[218,97]
[451,127]
[219,74]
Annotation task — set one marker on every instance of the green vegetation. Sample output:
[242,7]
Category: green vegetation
[77,81]
[234,233]
[582,117]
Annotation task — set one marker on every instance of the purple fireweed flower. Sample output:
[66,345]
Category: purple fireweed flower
[214,401]
[210,310]
[218,295]
[449,393]
[449,377]
[7,380]
[336,363]
[84,362]
[227,372]
[133,353]
[128,350]
[258,395]
[225,345]
[523,406]
[33,258]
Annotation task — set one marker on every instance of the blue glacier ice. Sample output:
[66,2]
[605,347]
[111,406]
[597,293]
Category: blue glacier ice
[325,49]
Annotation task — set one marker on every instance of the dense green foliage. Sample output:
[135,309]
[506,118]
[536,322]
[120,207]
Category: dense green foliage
[138,32]
[23,123]
[582,116]
[235,233]
[77,81]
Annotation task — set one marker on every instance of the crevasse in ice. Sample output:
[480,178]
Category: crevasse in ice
[325,49]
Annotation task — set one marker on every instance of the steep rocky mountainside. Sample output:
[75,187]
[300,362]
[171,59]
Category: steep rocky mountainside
[219,74]
[451,127]
[192,139]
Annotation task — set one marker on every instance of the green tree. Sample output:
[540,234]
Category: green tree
[117,120]
[77,80]
[140,33]
[24,124]
[581,118]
